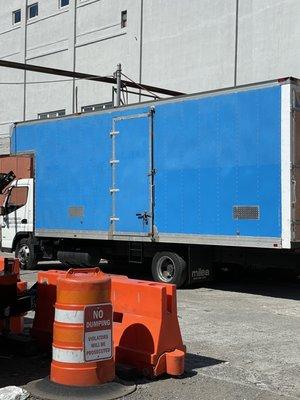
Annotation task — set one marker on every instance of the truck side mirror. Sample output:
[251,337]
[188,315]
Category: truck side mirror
[2,210]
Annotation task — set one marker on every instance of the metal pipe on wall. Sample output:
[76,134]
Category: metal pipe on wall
[118,75]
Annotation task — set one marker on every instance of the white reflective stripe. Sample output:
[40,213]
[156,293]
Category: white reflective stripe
[67,356]
[69,316]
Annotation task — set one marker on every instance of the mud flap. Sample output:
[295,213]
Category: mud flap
[200,268]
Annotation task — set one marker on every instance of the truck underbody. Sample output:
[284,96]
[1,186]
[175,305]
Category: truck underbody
[180,264]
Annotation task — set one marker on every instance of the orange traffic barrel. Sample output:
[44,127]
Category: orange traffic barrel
[82,351]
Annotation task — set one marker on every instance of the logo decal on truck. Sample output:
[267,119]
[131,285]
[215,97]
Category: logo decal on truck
[200,273]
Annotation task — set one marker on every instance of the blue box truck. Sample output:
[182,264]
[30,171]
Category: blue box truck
[181,183]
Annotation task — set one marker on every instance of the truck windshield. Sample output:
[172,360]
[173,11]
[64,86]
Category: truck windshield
[16,198]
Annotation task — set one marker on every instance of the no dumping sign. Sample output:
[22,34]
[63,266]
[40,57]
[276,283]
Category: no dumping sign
[98,332]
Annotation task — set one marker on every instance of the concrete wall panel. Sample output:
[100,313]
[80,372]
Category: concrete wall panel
[6,13]
[99,51]
[11,43]
[268,40]
[189,45]
[48,34]
[11,95]
[44,97]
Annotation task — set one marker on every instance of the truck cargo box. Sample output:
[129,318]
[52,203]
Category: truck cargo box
[215,168]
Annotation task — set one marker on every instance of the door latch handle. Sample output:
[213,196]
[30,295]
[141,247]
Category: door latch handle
[24,221]
[144,217]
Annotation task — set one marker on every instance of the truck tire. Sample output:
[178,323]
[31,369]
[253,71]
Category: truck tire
[25,253]
[169,267]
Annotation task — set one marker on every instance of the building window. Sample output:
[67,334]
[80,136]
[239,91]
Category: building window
[63,3]
[52,114]
[16,16]
[96,107]
[124,19]
[32,10]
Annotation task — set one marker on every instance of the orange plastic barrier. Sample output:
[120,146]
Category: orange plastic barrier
[8,294]
[82,352]
[42,328]
[10,265]
[146,330]
[11,286]
[16,324]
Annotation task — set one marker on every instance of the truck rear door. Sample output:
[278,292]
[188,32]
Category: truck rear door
[132,175]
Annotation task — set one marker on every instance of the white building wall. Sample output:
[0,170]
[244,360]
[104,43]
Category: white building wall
[101,44]
[189,46]
[268,40]
[11,49]
[48,43]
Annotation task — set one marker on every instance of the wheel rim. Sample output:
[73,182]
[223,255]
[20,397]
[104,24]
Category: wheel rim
[23,254]
[166,269]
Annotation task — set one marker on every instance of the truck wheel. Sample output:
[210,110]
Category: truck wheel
[169,267]
[26,254]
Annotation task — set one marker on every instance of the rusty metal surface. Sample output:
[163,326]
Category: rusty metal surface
[22,166]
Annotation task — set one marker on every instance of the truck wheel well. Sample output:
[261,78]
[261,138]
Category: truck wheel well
[18,237]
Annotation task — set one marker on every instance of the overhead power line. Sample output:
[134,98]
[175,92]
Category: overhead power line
[139,85]
[36,82]
[40,82]
[80,75]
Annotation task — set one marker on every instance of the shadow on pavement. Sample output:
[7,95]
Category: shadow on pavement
[18,370]
[274,283]
[271,283]
[133,272]
[193,362]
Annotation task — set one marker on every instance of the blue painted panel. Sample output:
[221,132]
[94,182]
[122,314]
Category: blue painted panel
[210,154]
[214,153]
[132,151]
[72,170]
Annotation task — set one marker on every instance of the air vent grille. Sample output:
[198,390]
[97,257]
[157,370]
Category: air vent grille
[246,212]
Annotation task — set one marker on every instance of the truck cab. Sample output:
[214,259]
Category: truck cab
[17,223]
